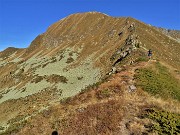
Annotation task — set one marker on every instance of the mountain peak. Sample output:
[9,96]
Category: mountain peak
[82,51]
[96,13]
[90,13]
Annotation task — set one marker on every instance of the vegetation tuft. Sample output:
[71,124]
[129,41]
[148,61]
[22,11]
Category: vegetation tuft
[65,100]
[142,59]
[2,128]
[103,93]
[56,78]
[158,82]
[37,79]
[69,60]
[165,123]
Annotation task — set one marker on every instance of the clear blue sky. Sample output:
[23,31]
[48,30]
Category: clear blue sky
[22,20]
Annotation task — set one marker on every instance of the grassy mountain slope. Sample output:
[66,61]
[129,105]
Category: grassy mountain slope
[105,108]
[74,53]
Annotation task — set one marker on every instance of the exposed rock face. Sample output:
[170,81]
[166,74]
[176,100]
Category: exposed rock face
[131,43]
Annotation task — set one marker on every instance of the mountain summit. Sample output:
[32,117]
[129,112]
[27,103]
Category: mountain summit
[75,53]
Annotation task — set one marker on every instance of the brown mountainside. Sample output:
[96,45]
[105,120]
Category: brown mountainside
[98,32]
[74,53]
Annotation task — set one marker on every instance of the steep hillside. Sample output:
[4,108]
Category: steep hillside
[172,33]
[74,53]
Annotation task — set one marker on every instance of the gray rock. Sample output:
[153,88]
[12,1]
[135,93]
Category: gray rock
[132,88]
[80,110]
[114,70]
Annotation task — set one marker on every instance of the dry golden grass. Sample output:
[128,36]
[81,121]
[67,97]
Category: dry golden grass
[86,113]
[96,117]
[109,107]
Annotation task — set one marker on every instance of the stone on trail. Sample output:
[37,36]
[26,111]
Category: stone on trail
[132,88]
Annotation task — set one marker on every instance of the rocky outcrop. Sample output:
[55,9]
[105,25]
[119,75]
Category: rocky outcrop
[175,34]
[131,43]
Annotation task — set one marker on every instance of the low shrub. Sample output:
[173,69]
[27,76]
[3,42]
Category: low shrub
[103,93]
[165,123]
[142,59]
[158,82]
[69,60]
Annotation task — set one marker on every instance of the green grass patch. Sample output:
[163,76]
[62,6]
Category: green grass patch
[142,59]
[165,123]
[158,81]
